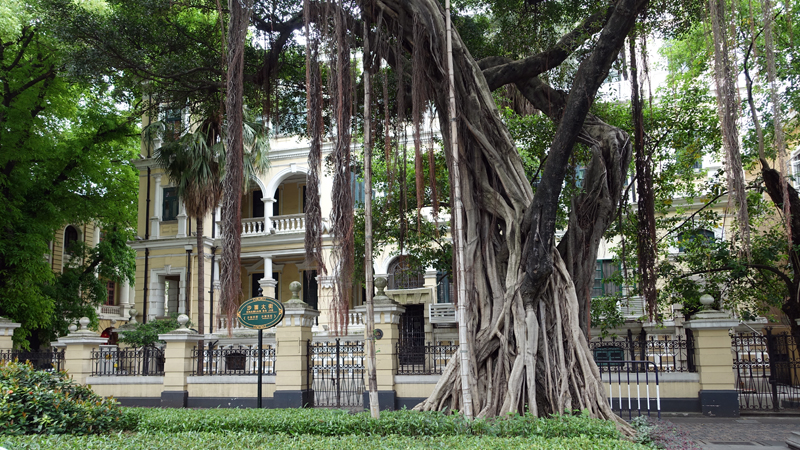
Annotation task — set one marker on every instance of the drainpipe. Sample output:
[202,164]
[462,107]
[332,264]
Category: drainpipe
[211,290]
[147,210]
[144,313]
[188,280]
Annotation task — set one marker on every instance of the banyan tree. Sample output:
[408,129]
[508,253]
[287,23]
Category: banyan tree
[526,294]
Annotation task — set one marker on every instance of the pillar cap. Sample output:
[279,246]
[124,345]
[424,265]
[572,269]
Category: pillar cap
[711,323]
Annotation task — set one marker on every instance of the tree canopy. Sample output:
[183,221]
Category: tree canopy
[64,159]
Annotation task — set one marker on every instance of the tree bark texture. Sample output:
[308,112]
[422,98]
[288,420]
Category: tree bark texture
[526,348]
[231,283]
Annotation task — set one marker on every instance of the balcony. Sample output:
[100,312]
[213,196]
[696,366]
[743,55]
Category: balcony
[288,224]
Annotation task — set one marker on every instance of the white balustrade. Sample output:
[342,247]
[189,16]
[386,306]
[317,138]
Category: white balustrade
[294,223]
[111,310]
[355,319]
[252,227]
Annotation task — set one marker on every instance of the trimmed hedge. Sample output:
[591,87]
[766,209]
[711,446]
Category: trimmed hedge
[246,440]
[38,402]
[323,422]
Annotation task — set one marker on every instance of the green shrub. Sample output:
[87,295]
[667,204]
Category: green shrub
[325,422]
[39,402]
[245,440]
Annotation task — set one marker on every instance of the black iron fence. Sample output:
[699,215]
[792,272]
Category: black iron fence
[632,386]
[767,370]
[667,353]
[145,361]
[336,373]
[238,360]
[429,359]
[48,360]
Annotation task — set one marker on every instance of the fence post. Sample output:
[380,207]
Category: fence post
[291,353]
[7,328]
[714,361]
[387,320]
[178,364]
[78,352]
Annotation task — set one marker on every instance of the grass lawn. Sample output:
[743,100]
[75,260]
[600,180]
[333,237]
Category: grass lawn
[322,429]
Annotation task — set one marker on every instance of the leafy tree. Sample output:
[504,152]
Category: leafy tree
[146,334]
[64,154]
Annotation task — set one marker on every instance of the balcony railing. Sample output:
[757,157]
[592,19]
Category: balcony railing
[111,310]
[253,227]
[294,223]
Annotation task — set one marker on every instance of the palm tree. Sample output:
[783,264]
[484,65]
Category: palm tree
[195,164]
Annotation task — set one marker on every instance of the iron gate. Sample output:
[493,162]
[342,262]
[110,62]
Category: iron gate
[336,373]
[767,370]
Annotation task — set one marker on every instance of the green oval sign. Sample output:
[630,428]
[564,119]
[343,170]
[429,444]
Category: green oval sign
[259,313]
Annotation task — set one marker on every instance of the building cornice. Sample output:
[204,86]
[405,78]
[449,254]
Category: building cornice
[169,242]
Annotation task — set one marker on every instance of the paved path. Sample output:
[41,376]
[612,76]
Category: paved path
[741,433]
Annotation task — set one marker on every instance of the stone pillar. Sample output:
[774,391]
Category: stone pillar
[178,364]
[291,356]
[387,320]
[181,221]
[712,344]
[78,352]
[268,201]
[268,284]
[7,328]
[155,219]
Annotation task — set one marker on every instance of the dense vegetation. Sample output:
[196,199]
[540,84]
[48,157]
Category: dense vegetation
[40,402]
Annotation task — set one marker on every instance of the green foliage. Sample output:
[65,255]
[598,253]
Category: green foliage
[146,334]
[393,222]
[64,158]
[244,440]
[323,422]
[39,402]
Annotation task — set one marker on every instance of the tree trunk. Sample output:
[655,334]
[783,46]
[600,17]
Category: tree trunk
[524,336]
[775,185]
[645,204]
[201,295]
[231,283]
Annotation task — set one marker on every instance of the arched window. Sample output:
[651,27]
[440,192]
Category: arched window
[70,238]
[403,276]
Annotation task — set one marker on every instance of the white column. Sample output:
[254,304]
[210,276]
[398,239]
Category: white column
[268,201]
[268,284]
[181,220]
[124,294]
[156,219]
[156,298]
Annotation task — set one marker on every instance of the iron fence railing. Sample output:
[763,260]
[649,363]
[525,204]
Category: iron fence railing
[238,360]
[667,353]
[767,370]
[336,373]
[145,361]
[48,360]
[428,359]
[632,385]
